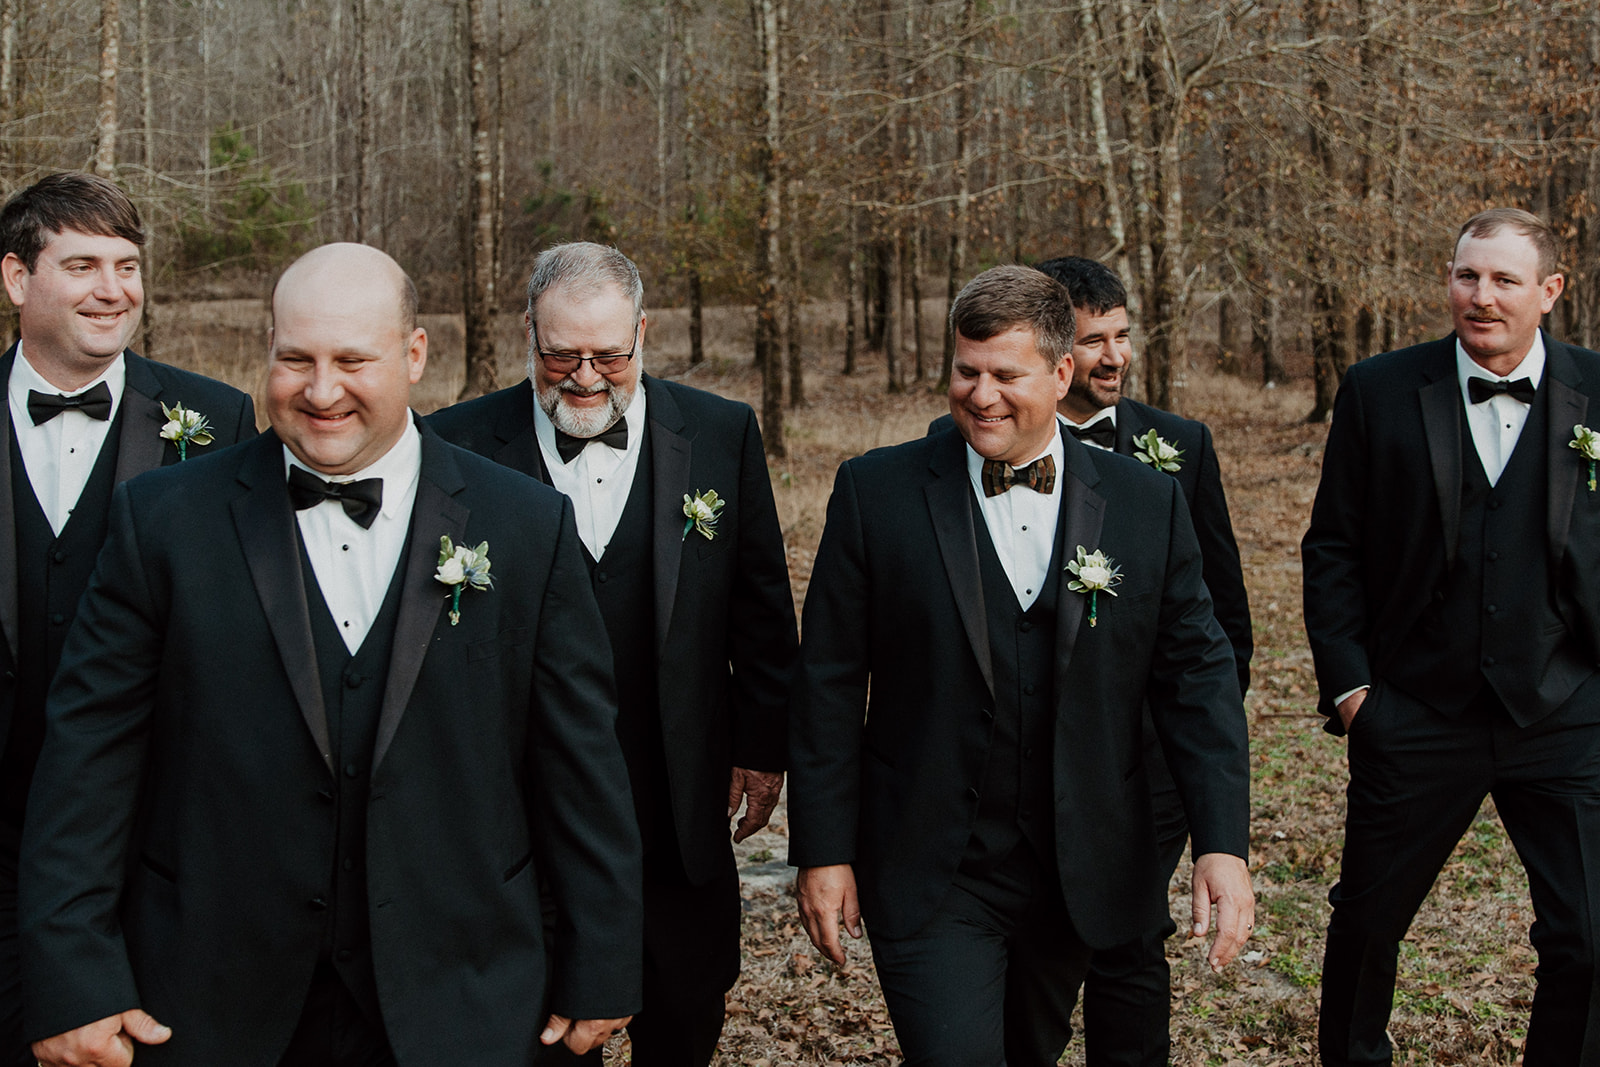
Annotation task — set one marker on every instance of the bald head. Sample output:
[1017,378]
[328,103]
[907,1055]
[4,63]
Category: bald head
[342,270]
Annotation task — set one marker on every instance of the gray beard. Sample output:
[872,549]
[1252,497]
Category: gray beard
[584,422]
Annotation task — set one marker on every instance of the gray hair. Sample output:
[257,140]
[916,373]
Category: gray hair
[585,268]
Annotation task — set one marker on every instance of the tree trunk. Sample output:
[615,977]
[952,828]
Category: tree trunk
[765,16]
[147,106]
[479,302]
[916,298]
[1110,187]
[366,121]
[105,126]
[893,310]
[793,297]
[852,288]
[691,200]
[961,210]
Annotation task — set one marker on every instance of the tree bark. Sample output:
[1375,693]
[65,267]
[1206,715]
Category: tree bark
[105,126]
[852,288]
[961,210]
[794,296]
[479,298]
[765,17]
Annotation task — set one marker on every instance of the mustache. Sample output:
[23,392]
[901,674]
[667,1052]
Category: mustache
[1482,316]
[569,386]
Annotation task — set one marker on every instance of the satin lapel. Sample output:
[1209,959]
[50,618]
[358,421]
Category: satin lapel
[949,506]
[8,514]
[519,442]
[1083,513]
[266,527]
[437,513]
[1441,424]
[1568,408]
[670,455]
[140,446]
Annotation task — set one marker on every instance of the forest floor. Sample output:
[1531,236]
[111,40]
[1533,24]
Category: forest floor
[1465,968]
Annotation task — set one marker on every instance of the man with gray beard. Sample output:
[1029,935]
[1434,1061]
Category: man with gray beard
[676,515]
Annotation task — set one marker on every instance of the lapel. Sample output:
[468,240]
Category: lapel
[1441,426]
[8,516]
[950,509]
[140,446]
[1128,427]
[1083,513]
[438,511]
[670,453]
[518,446]
[1568,407]
[266,527]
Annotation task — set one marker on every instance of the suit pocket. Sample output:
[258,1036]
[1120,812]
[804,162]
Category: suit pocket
[517,868]
[501,643]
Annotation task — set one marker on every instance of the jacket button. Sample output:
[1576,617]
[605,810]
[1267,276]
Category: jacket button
[1491,609]
[1493,556]
[1488,661]
[351,770]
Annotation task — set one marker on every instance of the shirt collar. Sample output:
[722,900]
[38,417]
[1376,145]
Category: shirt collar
[545,430]
[400,467]
[25,378]
[1055,451]
[1103,415]
[1531,367]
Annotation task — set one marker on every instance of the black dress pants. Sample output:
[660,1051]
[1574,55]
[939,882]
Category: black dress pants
[1417,780]
[333,1031]
[14,1049]
[992,978]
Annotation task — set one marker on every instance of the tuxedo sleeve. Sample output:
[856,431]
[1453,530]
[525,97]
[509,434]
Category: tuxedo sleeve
[1195,702]
[762,643]
[1337,624]
[829,699]
[84,799]
[582,805]
[1224,575]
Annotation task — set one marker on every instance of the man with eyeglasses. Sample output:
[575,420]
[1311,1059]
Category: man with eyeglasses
[676,515]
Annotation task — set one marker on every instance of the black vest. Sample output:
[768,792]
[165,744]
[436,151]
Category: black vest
[352,693]
[52,573]
[624,586]
[1016,800]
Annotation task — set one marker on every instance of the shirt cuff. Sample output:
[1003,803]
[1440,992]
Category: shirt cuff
[1342,697]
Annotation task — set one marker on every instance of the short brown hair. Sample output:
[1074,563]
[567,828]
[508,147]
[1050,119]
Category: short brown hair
[1545,242]
[1011,297]
[70,200]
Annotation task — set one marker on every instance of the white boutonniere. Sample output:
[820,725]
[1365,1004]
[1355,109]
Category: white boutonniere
[700,513]
[1162,455]
[1093,573]
[1587,442]
[460,567]
[185,427]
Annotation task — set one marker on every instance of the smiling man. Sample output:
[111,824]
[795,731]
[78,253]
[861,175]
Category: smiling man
[984,810]
[298,804]
[1453,609]
[82,415]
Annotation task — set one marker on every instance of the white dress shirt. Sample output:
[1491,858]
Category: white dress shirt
[354,567]
[1022,525]
[1497,422]
[1103,415]
[60,455]
[599,479]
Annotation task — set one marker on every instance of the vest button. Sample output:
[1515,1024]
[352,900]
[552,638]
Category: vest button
[1494,505]
[600,576]
[349,864]
[345,955]
[58,619]
[317,904]
[1491,609]
[1488,661]
[1025,626]
[59,556]
[353,681]
[1493,556]
[351,770]
[1027,690]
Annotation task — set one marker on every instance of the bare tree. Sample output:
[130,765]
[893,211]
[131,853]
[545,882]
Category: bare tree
[105,127]
[479,297]
[765,17]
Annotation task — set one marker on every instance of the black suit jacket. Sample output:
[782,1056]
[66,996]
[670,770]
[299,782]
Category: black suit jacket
[1386,522]
[181,832]
[724,614]
[140,447]
[1200,475]
[896,603]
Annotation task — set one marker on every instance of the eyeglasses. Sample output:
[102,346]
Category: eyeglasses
[605,363]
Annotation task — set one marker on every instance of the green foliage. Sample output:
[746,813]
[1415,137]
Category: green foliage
[254,219]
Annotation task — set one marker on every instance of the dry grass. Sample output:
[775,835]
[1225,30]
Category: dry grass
[1466,968]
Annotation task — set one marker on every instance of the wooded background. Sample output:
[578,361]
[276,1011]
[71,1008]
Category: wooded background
[1293,172]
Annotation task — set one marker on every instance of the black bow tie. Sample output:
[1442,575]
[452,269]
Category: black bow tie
[360,500]
[1102,433]
[95,403]
[569,446]
[1481,389]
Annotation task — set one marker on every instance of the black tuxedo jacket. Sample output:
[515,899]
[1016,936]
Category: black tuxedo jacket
[181,834]
[140,447]
[1200,475]
[1386,522]
[890,783]
[724,615]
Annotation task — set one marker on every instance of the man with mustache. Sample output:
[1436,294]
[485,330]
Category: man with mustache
[681,537]
[1453,608]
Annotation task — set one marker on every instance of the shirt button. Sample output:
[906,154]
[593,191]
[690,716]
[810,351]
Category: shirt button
[1024,529]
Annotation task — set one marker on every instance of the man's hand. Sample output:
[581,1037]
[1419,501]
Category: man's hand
[762,789]
[824,893]
[1223,880]
[581,1035]
[107,1043]
[1350,705]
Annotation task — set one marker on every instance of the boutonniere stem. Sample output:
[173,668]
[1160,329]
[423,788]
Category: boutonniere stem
[461,567]
[1161,454]
[700,513]
[184,427]
[1587,442]
[1093,573]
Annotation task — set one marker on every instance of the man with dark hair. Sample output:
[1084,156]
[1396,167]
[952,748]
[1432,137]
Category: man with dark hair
[336,714]
[680,534]
[1453,608]
[83,415]
[990,610]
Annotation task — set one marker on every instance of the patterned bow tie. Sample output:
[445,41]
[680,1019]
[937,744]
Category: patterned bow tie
[1040,476]
[95,403]
[1481,389]
[360,500]
[569,446]
[1102,433]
